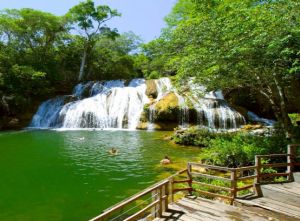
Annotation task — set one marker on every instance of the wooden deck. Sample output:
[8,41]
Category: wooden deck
[270,201]
[280,198]
[279,202]
[198,209]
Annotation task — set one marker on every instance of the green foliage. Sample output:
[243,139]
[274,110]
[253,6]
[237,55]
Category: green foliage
[153,75]
[91,20]
[85,14]
[242,192]
[239,149]
[233,44]
[295,117]
[40,54]
[195,136]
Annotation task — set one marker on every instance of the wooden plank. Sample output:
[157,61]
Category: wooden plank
[282,196]
[264,175]
[221,211]
[192,211]
[268,206]
[182,181]
[239,169]
[246,177]
[210,176]
[213,194]
[276,165]
[288,189]
[182,189]
[244,187]
[277,206]
[213,186]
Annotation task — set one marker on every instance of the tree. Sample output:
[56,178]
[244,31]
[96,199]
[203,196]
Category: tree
[91,20]
[239,44]
[114,58]
[30,37]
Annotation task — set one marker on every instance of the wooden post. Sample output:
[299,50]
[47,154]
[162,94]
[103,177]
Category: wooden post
[257,170]
[166,193]
[233,185]
[189,173]
[160,204]
[256,184]
[171,187]
[153,210]
[291,150]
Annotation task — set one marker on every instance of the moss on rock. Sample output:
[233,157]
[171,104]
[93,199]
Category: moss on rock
[142,126]
[167,108]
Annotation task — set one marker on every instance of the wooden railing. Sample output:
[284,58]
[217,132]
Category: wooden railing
[160,194]
[228,187]
[291,161]
[205,180]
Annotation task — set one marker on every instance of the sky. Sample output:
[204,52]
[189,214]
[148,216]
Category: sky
[143,17]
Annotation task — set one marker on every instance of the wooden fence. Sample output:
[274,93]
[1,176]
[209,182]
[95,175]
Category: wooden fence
[206,181]
[160,195]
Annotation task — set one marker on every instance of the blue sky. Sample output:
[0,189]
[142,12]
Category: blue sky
[143,17]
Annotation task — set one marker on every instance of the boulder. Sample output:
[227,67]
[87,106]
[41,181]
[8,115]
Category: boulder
[151,90]
[167,108]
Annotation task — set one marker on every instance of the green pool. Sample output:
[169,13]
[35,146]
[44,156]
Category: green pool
[69,175]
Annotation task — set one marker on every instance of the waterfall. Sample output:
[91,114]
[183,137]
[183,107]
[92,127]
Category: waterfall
[151,117]
[253,117]
[212,109]
[111,105]
[48,113]
[183,112]
[163,87]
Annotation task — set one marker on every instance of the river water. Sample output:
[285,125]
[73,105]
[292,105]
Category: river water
[69,175]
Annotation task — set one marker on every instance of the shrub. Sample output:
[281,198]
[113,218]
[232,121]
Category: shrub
[239,149]
[153,75]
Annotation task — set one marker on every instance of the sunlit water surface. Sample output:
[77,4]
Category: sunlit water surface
[69,175]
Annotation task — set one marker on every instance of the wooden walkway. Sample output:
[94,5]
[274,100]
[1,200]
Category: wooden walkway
[279,202]
[198,209]
[281,198]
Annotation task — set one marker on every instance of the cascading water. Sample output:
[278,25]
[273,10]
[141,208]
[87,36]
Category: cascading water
[212,109]
[183,112]
[48,113]
[112,106]
[151,117]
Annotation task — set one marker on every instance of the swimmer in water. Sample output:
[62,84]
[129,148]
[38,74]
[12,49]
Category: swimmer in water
[166,160]
[113,151]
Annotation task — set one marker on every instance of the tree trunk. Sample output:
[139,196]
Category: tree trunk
[286,121]
[280,112]
[82,65]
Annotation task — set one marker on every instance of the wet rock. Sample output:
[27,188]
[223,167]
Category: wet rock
[142,126]
[167,108]
[151,90]
[14,122]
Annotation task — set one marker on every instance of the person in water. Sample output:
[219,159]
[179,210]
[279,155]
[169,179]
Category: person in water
[113,151]
[166,160]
